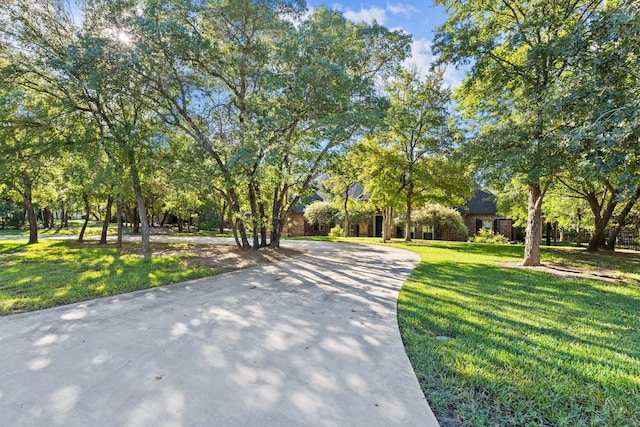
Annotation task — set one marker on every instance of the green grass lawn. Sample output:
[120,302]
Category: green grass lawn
[94,228]
[53,273]
[527,348]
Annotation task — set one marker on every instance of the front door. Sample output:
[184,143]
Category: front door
[378,225]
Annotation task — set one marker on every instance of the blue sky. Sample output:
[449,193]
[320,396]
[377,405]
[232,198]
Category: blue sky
[418,18]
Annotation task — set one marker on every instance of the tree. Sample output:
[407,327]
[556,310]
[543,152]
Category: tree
[30,132]
[409,162]
[562,206]
[517,52]
[599,101]
[441,218]
[86,68]
[342,180]
[266,99]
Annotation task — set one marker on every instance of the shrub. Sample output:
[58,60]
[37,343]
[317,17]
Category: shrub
[320,213]
[440,217]
[488,236]
[336,231]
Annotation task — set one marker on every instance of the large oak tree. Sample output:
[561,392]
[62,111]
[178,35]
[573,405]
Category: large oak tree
[516,52]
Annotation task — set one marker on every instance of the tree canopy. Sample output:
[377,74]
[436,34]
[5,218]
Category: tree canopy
[517,52]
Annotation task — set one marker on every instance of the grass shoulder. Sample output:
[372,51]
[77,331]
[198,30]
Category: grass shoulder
[523,347]
[57,272]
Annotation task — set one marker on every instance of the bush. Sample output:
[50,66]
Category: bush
[488,236]
[440,217]
[320,213]
[336,231]
[359,213]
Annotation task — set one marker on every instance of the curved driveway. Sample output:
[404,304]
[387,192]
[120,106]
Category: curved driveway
[310,341]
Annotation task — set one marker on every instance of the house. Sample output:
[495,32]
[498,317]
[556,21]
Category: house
[481,212]
[298,226]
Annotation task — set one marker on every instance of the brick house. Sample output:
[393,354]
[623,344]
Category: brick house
[298,226]
[481,212]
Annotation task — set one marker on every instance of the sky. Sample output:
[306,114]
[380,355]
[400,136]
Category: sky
[416,17]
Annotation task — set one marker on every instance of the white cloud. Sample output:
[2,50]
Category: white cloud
[402,9]
[422,57]
[366,15]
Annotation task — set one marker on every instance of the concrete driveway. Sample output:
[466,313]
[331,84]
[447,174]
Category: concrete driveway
[311,341]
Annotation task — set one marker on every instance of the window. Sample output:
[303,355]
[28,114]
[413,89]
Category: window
[318,227]
[487,224]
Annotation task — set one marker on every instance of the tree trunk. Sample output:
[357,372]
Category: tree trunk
[279,199]
[62,215]
[408,222]
[263,226]
[346,212]
[274,242]
[280,213]
[622,218]
[548,233]
[142,210]
[534,226]
[107,220]
[602,213]
[238,223]
[597,237]
[87,210]
[579,227]
[119,216]
[28,205]
[164,218]
[45,218]
[254,215]
[433,229]
[279,224]
[387,213]
[135,221]
[221,218]
[234,229]
[276,234]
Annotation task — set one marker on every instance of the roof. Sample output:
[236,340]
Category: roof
[299,208]
[482,202]
[356,191]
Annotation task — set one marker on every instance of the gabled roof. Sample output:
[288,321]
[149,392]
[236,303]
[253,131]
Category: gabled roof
[356,191]
[299,208]
[482,202]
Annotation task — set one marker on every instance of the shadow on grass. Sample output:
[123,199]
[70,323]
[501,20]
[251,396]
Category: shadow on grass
[628,262]
[62,272]
[527,348]
[512,251]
